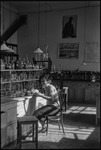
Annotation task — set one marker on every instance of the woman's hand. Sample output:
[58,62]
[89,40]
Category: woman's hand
[35,92]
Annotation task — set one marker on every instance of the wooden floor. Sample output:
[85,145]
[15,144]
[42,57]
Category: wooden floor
[80,131]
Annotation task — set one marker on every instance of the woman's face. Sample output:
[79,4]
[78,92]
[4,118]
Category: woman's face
[44,82]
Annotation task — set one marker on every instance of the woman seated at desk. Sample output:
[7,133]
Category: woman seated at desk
[51,95]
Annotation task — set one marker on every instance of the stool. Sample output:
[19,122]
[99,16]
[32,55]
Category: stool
[25,121]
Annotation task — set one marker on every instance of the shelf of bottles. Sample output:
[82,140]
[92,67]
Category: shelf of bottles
[18,78]
[76,75]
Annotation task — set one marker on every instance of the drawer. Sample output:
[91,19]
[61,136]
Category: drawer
[80,94]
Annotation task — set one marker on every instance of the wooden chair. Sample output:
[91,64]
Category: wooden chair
[59,115]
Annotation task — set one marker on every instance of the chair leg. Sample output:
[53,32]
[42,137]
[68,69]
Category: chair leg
[62,124]
[47,126]
[59,124]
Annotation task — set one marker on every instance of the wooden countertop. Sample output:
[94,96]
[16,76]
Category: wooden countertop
[11,99]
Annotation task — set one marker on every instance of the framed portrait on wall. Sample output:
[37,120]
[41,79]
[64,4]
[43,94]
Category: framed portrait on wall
[69,26]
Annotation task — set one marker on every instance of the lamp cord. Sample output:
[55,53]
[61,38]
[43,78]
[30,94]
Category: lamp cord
[46,27]
[10,19]
[3,18]
[39,24]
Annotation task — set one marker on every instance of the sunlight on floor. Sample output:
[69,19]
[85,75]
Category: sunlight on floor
[82,110]
[71,132]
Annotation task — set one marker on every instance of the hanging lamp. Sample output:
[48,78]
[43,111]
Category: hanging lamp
[38,50]
[84,62]
[46,46]
[4,47]
[10,49]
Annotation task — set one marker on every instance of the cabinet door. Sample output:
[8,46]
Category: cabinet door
[79,94]
[88,94]
[71,94]
[94,94]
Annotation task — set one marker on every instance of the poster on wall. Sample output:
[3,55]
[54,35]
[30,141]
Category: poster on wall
[68,50]
[69,26]
[92,52]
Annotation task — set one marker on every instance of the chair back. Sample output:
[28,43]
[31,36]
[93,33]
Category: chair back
[61,94]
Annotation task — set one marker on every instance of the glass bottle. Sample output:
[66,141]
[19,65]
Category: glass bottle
[19,63]
[16,64]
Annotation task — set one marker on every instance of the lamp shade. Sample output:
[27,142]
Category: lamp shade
[10,50]
[38,51]
[84,63]
[4,47]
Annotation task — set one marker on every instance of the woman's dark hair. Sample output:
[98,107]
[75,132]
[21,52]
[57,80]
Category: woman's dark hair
[42,77]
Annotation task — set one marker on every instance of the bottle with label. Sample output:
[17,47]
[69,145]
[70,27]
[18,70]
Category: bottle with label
[19,63]
[2,64]
[24,63]
[16,64]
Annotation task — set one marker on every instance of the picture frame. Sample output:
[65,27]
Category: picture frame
[68,50]
[69,26]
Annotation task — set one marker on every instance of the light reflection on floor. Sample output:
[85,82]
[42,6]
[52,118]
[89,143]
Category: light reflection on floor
[71,132]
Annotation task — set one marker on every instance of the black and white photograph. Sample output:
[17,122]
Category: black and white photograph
[50,74]
[68,50]
[69,24]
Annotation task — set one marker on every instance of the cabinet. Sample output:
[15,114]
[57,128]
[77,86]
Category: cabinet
[84,92]
[8,121]
[15,83]
[90,92]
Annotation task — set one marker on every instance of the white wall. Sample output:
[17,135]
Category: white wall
[8,16]
[86,29]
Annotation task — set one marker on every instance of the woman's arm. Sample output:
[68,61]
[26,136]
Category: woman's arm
[43,96]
